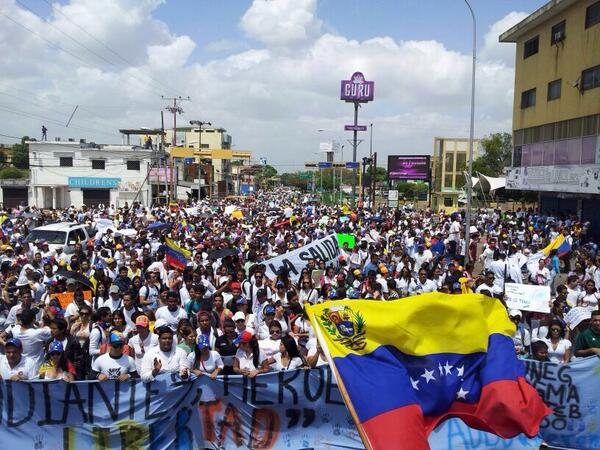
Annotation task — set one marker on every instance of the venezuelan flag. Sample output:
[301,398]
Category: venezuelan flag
[560,244]
[176,256]
[407,365]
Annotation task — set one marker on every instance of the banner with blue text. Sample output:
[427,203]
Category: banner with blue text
[288,410]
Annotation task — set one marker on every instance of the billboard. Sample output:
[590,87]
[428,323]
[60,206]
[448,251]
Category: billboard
[413,167]
[357,89]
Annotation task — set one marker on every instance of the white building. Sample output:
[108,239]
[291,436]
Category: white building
[71,173]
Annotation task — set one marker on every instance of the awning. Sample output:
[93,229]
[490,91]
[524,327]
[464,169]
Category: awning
[490,184]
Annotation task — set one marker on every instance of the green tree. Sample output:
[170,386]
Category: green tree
[264,175]
[497,156]
[20,157]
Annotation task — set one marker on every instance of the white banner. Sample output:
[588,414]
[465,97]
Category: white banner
[326,249]
[577,315]
[527,297]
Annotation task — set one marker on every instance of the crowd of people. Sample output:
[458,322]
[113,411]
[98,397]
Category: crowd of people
[114,308]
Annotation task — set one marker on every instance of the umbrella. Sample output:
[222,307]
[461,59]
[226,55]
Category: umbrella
[78,277]
[158,226]
[222,253]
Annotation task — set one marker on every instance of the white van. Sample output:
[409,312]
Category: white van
[63,234]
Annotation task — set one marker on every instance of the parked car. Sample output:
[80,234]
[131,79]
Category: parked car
[62,234]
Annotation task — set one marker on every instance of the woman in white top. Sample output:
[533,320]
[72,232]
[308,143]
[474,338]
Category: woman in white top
[247,360]
[288,357]
[588,299]
[203,360]
[304,331]
[406,283]
[559,348]
[316,357]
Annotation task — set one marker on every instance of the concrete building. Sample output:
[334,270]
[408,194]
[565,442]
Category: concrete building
[448,165]
[556,112]
[66,173]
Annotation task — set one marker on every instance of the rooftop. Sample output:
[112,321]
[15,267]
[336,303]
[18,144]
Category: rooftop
[542,15]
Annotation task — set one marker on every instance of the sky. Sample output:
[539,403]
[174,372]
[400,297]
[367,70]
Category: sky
[268,71]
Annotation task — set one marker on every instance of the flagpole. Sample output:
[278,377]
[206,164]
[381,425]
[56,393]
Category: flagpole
[338,380]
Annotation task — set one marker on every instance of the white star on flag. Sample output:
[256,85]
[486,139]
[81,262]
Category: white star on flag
[415,384]
[428,375]
[462,394]
[440,368]
[448,368]
[461,371]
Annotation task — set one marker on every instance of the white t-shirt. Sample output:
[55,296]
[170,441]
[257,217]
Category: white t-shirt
[588,301]
[33,343]
[556,354]
[247,362]
[171,317]
[172,361]
[209,366]
[269,347]
[113,367]
[320,361]
[73,309]
[134,344]
[112,304]
[278,366]
[26,367]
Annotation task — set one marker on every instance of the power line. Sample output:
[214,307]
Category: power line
[11,137]
[124,60]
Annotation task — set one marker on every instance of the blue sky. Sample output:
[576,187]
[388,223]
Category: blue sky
[266,70]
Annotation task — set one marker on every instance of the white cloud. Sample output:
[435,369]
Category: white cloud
[225,45]
[282,22]
[272,99]
[499,51]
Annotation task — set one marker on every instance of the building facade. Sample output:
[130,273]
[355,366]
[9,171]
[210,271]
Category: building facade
[448,165]
[71,173]
[556,112]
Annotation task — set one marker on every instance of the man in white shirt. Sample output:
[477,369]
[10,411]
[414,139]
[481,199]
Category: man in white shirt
[166,357]
[142,341]
[172,313]
[424,284]
[32,339]
[13,365]
[487,256]
[129,309]
[114,365]
[114,300]
[500,270]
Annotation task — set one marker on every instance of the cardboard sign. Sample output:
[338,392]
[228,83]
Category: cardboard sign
[577,315]
[67,297]
[527,297]
[349,238]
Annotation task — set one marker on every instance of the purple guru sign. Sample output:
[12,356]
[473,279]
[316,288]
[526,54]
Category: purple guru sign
[357,89]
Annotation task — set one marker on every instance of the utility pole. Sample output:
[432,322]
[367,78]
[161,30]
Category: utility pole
[374,175]
[174,109]
[200,123]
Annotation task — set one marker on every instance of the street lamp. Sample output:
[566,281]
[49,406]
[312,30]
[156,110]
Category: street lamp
[470,162]
[200,123]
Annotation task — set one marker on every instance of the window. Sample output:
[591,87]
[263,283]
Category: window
[448,202]
[66,161]
[528,98]
[558,32]
[517,156]
[98,164]
[133,165]
[448,181]
[590,78]
[449,162]
[554,89]
[531,47]
[592,15]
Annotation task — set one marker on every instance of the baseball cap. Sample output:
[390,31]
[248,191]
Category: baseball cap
[160,323]
[356,272]
[14,342]
[114,289]
[280,284]
[261,293]
[56,347]
[244,338]
[239,316]
[116,338]
[142,321]
[241,301]
[515,313]
[269,310]
[203,342]
[71,281]
[235,285]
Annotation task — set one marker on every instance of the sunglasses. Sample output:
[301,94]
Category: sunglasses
[556,329]
[84,314]
[275,332]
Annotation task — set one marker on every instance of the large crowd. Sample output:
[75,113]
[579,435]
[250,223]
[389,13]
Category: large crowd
[114,308]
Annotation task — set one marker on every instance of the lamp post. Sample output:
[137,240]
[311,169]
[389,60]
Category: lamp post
[471,131]
[200,123]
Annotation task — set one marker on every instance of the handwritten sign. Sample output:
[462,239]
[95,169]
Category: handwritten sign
[67,297]
[577,315]
[527,297]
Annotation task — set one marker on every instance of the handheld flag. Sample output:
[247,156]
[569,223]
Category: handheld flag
[405,366]
[176,256]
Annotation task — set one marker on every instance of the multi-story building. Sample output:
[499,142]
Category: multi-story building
[448,165]
[556,112]
[75,173]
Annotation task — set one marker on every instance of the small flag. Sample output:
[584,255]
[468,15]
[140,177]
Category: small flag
[176,256]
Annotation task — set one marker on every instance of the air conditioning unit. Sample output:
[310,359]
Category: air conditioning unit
[559,36]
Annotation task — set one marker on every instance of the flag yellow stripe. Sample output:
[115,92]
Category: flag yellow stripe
[420,325]
[556,243]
